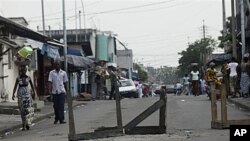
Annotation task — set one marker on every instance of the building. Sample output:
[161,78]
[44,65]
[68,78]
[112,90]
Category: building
[99,46]
[14,34]
[125,62]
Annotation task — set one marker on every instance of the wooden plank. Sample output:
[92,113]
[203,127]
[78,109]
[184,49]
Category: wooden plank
[213,103]
[143,130]
[162,120]
[99,134]
[118,106]
[144,115]
[223,104]
[226,125]
[239,122]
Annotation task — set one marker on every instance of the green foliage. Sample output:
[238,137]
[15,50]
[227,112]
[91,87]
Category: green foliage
[193,54]
[142,74]
[227,40]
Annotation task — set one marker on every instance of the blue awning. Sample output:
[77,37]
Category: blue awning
[74,52]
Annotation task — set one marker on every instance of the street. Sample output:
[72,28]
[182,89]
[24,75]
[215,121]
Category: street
[188,119]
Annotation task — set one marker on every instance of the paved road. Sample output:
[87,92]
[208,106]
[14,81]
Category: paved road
[188,119]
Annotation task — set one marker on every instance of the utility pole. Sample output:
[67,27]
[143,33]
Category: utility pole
[80,28]
[43,17]
[72,131]
[233,29]
[76,20]
[243,46]
[85,40]
[224,19]
[204,48]
[49,31]
[83,15]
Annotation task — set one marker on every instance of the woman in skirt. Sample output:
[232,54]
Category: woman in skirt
[24,97]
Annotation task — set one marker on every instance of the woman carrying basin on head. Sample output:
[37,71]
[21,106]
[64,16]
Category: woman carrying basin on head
[24,97]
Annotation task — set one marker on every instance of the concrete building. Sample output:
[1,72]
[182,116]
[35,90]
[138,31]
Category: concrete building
[93,44]
[125,61]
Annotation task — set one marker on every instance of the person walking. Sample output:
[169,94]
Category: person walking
[210,77]
[140,88]
[185,82]
[24,97]
[245,80]
[195,80]
[203,86]
[232,66]
[113,80]
[57,86]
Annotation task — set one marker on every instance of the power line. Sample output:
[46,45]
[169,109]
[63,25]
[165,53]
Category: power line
[115,10]
[59,12]
[133,7]
[154,9]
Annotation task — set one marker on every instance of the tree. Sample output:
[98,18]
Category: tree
[142,74]
[227,40]
[193,54]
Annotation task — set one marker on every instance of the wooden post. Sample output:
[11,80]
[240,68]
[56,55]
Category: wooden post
[213,102]
[118,105]
[72,131]
[162,120]
[223,105]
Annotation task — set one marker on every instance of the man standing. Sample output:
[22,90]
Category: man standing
[232,66]
[57,87]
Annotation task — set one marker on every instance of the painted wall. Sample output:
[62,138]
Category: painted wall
[101,47]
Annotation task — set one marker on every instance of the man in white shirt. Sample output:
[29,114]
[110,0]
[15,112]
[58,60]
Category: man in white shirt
[57,87]
[233,76]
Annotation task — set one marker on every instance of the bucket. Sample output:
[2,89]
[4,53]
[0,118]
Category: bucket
[25,51]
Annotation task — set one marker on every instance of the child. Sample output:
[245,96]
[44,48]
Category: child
[203,86]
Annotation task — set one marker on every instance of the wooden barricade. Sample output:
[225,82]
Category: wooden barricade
[130,128]
[224,122]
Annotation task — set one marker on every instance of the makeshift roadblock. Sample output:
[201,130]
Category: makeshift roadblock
[223,123]
[129,128]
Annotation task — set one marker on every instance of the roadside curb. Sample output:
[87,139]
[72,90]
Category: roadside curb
[37,119]
[240,104]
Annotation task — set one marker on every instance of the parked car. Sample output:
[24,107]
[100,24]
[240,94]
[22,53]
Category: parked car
[170,89]
[127,88]
[157,90]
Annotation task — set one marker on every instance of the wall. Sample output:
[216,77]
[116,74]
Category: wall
[12,74]
[125,58]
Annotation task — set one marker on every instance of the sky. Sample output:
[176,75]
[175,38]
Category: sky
[156,30]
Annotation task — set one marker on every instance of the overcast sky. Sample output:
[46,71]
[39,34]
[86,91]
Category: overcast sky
[156,30]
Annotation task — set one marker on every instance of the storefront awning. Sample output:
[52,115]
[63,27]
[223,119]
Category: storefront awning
[79,61]
[221,59]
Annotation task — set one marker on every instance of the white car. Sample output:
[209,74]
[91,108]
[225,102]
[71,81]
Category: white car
[127,88]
